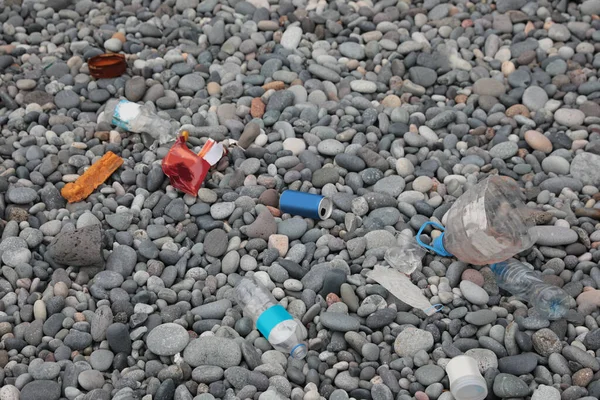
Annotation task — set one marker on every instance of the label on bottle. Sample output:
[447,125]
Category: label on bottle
[125,112]
[271,318]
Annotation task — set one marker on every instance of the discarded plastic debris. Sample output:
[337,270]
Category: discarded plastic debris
[466,382]
[110,65]
[406,256]
[187,170]
[305,204]
[271,319]
[551,302]
[400,286]
[95,176]
[488,223]
[137,118]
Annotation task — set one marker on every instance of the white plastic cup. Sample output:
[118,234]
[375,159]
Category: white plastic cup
[466,383]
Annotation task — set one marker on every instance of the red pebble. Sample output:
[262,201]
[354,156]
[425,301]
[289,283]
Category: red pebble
[332,298]
[467,23]
[421,396]
[473,276]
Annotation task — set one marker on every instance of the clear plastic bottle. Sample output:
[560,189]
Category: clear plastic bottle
[137,118]
[550,301]
[487,224]
[271,318]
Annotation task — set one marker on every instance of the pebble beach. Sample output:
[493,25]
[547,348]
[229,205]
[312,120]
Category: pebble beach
[392,109]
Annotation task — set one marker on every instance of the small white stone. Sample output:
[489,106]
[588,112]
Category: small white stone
[113,45]
[404,167]
[363,86]
[293,285]
[422,184]
[291,37]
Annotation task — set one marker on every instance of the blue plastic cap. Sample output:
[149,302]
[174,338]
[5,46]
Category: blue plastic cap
[438,246]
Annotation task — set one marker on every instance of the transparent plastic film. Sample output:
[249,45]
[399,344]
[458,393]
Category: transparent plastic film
[400,286]
[476,225]
[406,256]
[489,223]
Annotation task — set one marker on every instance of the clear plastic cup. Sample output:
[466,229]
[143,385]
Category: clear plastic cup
[406,256]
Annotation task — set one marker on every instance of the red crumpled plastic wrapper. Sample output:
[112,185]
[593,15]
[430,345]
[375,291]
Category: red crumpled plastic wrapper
[185,169]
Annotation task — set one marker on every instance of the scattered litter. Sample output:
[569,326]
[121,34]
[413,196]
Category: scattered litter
[466,382]
[400,286]
[95,175]
[133,117]
[110,65]
[270,317]
[488,223]
[551,302]
[305,204]
[187,170]
[406,256]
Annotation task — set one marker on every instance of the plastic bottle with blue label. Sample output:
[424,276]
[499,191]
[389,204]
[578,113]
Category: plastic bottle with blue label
[551,302]
[271,318]
[137,118]
[489,223]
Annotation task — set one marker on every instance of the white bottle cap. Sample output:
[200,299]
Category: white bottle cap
[466,383]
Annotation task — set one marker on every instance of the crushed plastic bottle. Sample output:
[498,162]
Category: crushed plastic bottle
[487,224]
[551,302]
[406,256]
[137,118]
[271,318]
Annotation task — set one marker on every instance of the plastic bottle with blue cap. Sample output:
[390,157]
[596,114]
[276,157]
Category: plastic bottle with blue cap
[271,318]
[489,223]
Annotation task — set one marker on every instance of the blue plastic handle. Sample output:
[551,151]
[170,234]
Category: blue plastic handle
[420,232]
[438,243]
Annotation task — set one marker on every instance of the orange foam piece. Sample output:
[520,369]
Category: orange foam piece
[95,176]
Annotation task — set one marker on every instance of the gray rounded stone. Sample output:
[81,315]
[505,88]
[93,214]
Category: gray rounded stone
[411,340]
[428,374]
[167,339]
[504,150]
[67,99]
[535,98]
[21,195]
[215,243]
[213,350]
